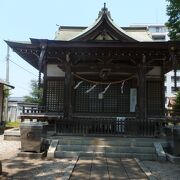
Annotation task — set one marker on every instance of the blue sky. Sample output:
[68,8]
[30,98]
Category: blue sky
[21,20]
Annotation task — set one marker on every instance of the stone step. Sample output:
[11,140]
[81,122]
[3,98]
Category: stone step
[106,149]
[142,148]
[110,139]
[105,142]
[70,154]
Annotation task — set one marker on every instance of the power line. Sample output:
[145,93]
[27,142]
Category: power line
[22,68]
[7,64]
[22,88]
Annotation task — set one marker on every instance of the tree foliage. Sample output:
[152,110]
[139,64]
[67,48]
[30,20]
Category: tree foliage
[35,95]
[176,106]
[173,11]
[6,92]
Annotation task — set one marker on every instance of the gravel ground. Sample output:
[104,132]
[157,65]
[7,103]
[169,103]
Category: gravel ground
[42,169]
[163,170]
[39,169]
[8,149]
[19,168]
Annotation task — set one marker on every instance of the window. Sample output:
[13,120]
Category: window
[173,89]
[177,79]
[158,29]
[158,37]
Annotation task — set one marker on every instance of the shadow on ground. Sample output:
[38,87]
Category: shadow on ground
[25,168]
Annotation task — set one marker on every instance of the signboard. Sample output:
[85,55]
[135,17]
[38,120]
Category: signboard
[133,99]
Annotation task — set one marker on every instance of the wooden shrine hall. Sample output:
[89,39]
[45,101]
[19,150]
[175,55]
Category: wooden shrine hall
[101,79]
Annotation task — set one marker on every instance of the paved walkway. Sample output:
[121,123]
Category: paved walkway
[99,168]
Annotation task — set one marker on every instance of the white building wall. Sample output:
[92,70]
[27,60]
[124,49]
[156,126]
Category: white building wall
[169,83]
[1,102]
[54,71]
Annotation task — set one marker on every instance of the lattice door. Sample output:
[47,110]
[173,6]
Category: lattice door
[55,95]
[114,101]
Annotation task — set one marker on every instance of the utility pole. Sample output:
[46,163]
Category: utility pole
[7,80]
[7,65]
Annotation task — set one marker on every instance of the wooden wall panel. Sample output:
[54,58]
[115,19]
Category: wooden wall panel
[154,97]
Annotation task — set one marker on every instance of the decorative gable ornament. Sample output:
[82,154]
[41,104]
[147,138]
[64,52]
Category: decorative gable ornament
[104,29]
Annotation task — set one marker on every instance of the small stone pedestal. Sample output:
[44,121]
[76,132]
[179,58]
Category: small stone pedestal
[176,141]
[31,136]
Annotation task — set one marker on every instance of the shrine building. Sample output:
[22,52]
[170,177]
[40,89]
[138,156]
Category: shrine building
[102,79]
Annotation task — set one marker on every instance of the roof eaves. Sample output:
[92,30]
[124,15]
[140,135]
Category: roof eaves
[6,83]
[88,29]
[103,14]
[72,27]
[120,29]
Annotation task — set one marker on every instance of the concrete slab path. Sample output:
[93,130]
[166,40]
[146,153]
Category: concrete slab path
[98,168]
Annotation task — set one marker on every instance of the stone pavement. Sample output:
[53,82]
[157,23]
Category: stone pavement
[107,168]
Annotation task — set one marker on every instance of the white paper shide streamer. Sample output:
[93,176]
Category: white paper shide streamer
[106,88]
[78,84]
[122,87]
[102,93]
[90,89]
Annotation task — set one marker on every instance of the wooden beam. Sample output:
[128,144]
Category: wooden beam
[110,44]
[99,67]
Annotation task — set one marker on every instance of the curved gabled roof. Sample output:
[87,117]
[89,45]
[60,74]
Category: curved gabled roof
[104,29]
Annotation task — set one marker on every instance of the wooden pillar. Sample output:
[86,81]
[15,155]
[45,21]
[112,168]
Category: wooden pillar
[67,89]
[142,102]
[45,87]
[42,65]
[41,59]
[163,88]
[175,70]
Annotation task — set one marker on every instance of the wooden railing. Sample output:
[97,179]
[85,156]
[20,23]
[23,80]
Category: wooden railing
[33,109]
[103,125]
[126,126]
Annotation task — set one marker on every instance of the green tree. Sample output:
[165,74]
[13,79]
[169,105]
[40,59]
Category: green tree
[35,95]
[176,106]
[6,92]
[173,11]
